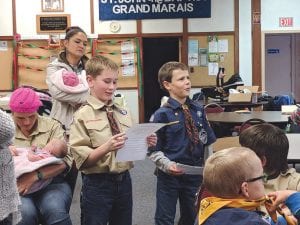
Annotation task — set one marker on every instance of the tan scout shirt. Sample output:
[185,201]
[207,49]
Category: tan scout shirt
[90,129]
[285,181]
[46,130]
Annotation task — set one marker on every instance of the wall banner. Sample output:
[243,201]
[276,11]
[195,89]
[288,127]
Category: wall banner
[153,9]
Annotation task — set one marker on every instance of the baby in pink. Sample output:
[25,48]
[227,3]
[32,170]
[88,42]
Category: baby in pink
[55,147]
[70,82]
[28,160]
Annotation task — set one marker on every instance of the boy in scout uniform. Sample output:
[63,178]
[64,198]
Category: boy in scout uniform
[96,134]
[182,142]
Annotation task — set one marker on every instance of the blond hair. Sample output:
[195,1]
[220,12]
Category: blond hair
[97,64]
[226,170]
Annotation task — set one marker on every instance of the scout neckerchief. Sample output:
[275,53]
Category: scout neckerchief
[191,129]
[210,205]
[112,121]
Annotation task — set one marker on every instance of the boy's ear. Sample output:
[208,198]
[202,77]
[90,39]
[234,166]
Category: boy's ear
[244,190]
[89,80]
[166,85]
[263,161]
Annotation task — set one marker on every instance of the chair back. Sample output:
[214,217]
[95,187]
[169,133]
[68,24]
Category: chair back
[249,123]
[213,108]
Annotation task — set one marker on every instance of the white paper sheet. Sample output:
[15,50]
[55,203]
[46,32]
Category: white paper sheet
[191,170]
[136,147]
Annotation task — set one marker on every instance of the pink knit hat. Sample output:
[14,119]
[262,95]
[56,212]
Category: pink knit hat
[24,100]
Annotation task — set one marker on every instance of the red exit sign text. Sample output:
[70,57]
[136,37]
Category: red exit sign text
[286,21]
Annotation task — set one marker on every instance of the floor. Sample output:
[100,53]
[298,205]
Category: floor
[144,188]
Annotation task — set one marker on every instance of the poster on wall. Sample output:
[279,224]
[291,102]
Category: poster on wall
[193,56]
[127,51]
[153,9]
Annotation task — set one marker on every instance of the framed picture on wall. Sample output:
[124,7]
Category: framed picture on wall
[52,5]
[54,40]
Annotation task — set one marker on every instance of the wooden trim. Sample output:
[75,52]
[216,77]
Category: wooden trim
[184,42]
[7,38]
[141,98]
[236,36]
[92,16]
[108,36]
[139,28]
[256,42]
[14,17]
[211,33]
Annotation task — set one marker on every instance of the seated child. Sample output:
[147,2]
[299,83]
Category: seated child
[55,147]
[234,177]
[271,145]
[70,82]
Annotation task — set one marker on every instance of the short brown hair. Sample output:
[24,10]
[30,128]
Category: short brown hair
[97,64]
[226,170]
[165,72]
[269,141]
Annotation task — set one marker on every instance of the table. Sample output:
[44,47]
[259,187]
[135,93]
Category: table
[294,146]
[231,106]
[236,118]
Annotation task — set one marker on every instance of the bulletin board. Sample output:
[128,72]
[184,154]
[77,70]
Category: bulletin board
[125,57]
[199,74]
[6,65]
[33,58]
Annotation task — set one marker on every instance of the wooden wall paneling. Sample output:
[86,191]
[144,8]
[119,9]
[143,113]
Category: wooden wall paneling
[6,65]
[256,42]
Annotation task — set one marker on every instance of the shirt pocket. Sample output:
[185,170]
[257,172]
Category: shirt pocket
[175,135]
[125,124]
[98,131]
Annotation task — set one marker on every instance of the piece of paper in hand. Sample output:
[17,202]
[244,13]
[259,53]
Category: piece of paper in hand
[136,147]
[191,170]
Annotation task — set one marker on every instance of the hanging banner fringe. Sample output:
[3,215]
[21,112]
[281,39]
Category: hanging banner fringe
[30,68]
[114,53]
[34,56]
[112,42]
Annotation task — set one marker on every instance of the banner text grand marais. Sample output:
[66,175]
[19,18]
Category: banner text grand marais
[153,9]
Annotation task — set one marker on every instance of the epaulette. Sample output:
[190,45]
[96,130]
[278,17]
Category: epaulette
[168,105]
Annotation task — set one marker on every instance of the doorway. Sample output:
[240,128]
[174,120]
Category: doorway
[278,52]
[282,64]
[156,52]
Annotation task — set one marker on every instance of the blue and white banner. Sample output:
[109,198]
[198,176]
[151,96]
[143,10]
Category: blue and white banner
[153,9]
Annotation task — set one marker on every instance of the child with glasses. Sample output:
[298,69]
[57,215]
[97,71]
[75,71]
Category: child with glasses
[235,177]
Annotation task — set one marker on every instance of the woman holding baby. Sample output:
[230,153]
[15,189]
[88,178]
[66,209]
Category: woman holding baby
[51,204]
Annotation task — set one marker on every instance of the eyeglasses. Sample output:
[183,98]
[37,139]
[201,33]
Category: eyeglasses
[264,178]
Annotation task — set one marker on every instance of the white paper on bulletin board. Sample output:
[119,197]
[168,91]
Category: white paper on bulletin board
[213,69]
[193,56]
[223,45]
[213,46]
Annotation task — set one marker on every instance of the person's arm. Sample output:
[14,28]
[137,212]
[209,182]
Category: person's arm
[56,93]
[288,197]
[57,132]
[113,144]
[26,181]
[293,203]
[161,161]
[33,157]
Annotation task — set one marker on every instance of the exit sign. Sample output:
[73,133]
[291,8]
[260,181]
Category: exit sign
[286,21]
